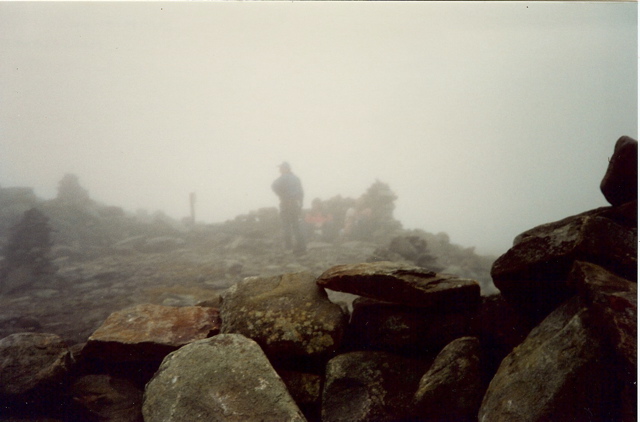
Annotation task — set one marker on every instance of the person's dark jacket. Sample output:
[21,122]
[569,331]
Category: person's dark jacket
[288,188]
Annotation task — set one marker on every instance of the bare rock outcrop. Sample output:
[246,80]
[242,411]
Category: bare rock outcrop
[223,378]
[288,315]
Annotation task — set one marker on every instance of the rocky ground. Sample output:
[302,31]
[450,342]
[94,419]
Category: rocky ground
[75,301]
[107,259]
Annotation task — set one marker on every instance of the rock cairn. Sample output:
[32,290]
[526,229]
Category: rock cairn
[558,343]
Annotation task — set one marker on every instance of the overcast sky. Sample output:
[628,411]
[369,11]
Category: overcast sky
[486,119]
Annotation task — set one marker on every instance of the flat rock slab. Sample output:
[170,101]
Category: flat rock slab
[404,285]
[149,332]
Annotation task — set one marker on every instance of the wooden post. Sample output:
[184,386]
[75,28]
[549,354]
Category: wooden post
[192,203]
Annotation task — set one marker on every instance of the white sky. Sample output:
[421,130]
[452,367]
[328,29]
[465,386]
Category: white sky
[486,119]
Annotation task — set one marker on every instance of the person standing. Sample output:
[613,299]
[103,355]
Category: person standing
[289,189]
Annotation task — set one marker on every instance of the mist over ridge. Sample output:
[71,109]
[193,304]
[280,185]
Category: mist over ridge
[484,119]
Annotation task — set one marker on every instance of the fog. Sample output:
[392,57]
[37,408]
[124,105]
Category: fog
[485,119]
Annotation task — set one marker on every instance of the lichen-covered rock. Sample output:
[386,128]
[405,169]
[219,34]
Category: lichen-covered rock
[557,374]
[405,285]
[223,378]
[288,315]
[398,328]
[370,386]
[30,361]
[620,182]
[451,390]
[535,270]
[149,332]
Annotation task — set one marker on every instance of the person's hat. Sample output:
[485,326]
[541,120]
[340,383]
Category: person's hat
[285,166]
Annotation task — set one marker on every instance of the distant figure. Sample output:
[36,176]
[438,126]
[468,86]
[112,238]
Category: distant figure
[317,221]
[289,190]
[358,222]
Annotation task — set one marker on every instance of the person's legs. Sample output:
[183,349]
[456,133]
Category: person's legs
[291,228]
[286,229]
[301,245]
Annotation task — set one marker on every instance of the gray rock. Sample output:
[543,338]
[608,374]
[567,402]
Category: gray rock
[451,390]
[223,378]
[288,315]
[29,361]
[401,284]
[620,182]
[370,386]
[557,374]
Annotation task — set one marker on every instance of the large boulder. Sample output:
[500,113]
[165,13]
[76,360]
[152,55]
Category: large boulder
[620,182]
[32,361]
[398,328]
[535,270]
[149,332]
[401,284]
[451,390]
[370,386]
[557,374]
[222,378]
[288,315]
